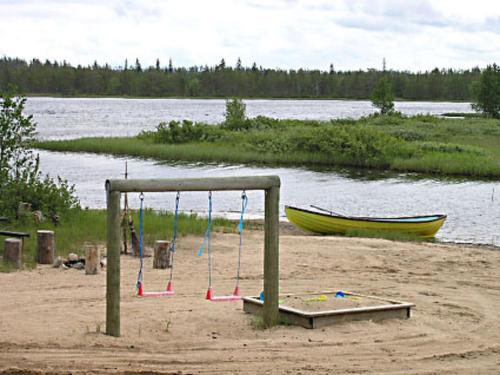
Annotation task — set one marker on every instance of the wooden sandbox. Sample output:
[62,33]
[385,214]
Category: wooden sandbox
[351,307]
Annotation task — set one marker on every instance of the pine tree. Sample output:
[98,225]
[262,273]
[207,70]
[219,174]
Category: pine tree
[487,92]
[138,67]
[382,96]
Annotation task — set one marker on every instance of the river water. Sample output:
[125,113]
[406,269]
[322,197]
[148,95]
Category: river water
[472,206]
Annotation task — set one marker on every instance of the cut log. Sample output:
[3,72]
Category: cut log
[13,251]
[46,246]
[161,257]
[92,260]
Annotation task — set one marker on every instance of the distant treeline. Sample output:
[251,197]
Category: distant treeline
[61,78]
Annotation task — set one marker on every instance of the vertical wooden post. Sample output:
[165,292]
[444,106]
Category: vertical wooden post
[13,251]
[161,256]
[113,265]
[45,246]
[271,257]
[92,259]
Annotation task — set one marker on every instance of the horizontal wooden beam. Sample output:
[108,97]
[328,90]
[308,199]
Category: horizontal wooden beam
[13,234]
[194,184]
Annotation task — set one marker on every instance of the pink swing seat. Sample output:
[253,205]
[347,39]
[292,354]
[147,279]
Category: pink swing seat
[231,298]
[168,292]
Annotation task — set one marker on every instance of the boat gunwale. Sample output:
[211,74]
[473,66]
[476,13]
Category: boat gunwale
[391,220]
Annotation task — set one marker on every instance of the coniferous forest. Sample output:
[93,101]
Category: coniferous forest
[166,80]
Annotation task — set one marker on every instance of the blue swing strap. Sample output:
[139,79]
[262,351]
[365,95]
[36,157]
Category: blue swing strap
[141,255]
[208,231]
[244,203]
[174,236]
[207,243]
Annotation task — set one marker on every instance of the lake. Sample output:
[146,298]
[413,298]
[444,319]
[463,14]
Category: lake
[63,118]
[472,206]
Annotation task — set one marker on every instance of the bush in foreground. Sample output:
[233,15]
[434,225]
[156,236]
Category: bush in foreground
[20,177]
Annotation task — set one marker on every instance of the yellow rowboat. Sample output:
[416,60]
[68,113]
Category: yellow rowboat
[330,223]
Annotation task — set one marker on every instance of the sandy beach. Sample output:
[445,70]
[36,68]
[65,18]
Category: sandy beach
[52,320]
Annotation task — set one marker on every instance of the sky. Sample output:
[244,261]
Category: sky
[413,35]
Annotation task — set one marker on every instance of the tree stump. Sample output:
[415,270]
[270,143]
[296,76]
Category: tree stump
[46,245]
[92,260]
[13,251]
[161,257]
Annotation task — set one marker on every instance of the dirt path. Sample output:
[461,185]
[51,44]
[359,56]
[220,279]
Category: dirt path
[50,318]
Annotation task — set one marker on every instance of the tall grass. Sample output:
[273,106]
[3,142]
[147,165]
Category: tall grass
[81,226]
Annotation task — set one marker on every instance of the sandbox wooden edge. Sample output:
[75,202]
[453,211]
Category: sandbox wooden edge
[391,309]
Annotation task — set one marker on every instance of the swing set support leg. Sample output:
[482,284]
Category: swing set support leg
[113,268]
[271,257]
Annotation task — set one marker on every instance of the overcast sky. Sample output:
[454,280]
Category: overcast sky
[411,34]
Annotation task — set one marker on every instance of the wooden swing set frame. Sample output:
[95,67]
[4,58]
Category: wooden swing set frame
[271,187]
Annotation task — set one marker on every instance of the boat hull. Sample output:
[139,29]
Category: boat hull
[421,226]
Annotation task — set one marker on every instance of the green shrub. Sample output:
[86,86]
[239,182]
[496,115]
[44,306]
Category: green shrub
[20,178]
[175,132]
[235,114]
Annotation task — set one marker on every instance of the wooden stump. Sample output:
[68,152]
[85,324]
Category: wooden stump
[46,245]
[161,257]
[92,260]
[13,251]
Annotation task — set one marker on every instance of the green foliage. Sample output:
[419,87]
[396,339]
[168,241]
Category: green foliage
[176,132]
[222,80]
[382,96]
[451,148]
[16,133]
[347,145]
[43,193]
[235,114]
[20,178]
[487,92]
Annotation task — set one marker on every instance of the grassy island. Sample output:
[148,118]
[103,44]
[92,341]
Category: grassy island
[427,144]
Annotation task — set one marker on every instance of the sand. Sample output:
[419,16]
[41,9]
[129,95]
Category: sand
[51,320]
